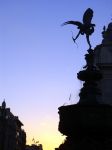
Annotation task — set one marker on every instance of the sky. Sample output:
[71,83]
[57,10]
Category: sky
[39,61]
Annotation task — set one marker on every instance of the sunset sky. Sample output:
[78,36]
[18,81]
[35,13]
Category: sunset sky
[39,61]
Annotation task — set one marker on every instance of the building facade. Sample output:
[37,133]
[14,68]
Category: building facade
[12,136]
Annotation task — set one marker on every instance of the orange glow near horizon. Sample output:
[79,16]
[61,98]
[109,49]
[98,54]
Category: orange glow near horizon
[48,140]
[46,133]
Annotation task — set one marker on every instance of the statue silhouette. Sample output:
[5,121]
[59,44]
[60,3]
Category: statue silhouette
[84,28]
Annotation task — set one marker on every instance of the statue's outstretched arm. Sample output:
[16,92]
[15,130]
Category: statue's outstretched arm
[74,39]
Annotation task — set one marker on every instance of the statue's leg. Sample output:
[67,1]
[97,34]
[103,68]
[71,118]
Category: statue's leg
[88,41]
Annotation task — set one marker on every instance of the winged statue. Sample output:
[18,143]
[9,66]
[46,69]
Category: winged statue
[85,27]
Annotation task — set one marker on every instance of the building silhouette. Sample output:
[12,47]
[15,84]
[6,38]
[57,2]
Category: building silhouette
[34,147]
[12,136]
[88,124]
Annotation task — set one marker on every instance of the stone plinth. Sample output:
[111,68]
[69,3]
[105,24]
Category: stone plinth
[87,120]
[103,60]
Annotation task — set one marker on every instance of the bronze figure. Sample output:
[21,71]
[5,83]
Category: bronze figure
[86,27]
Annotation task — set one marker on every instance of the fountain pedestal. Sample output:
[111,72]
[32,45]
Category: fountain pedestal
[88,124]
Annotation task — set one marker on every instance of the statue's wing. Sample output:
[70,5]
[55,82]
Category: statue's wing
[77,23]
[88,15]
